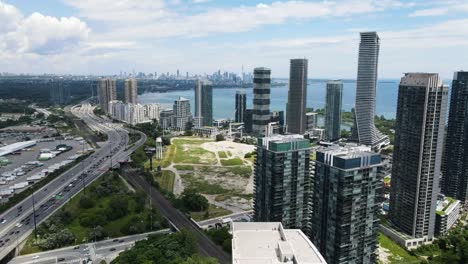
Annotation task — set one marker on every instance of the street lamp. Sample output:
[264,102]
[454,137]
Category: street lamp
[150,152]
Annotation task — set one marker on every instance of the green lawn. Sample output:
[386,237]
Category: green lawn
[222,155]
[232,162]
[184,167]
[166,180]
[399,254]
[190,151]
[213,212]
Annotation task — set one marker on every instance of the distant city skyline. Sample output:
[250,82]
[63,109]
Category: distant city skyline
[102,38]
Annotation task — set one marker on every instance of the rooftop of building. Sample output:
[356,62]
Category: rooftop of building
[284,143]
[445,205]
[182,99]
[269,243]
[16,146]
[420,79]
[347,151]
[334,82]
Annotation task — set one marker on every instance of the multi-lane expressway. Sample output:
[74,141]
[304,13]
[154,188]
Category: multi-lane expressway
[17,223]
[102,250]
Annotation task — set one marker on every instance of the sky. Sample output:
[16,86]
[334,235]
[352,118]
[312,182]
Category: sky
[105,37]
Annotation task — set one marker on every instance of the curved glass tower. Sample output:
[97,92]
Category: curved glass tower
[364,130]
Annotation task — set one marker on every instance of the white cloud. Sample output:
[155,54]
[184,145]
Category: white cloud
[144,19]
[119,11]
[442,8]
[200,1]
[9,17]
[430,12]
[39,34]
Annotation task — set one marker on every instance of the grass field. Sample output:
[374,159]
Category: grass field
[168,156]
[243,171]
[232,162]
[184,167]
[399,254]
[190,151]
[166,180]
[202,185]
[213,212]
[222,155]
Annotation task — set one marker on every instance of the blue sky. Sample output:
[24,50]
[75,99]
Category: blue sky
[201,36]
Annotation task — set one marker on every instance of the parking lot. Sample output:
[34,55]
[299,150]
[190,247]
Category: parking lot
[26,161]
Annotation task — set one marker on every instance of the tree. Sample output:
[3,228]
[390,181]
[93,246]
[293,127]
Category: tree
[97,233]
[194,201]
[177,248]
[118,207]
[86,202]
[345,133]
[220,137]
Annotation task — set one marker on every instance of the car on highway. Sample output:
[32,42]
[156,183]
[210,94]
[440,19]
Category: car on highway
[35,257]
[61,259]
[2,221]
[112,249]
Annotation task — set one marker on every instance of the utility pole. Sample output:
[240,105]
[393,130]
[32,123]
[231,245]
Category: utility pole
[83,172]
[34,216]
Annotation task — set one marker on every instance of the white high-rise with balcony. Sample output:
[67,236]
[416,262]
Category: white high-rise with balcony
[364,130]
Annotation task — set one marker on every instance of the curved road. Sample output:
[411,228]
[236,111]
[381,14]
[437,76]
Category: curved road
[18,222]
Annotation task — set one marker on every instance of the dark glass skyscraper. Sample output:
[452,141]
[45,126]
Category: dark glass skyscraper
[241,105]
[417,156]
[107,92]
[364,130]
[297,97]
[203,104]
[455,169]
[333,110]
[261,101]
[282,181]
[347,191]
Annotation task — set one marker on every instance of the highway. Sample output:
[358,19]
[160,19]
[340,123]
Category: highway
[17,223]
[206,246]
[102,250]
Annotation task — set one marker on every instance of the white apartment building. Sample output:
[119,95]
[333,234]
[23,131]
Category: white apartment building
[269,242]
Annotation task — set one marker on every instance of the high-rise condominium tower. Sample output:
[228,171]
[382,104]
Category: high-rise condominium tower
[130,91]
[282,181]
[333,110]
[364,130]
[59,93]
[455,167]
[182,115]
[346,202]
[261,101]
[417,157]
[297,97]
[241,105]
[106,93]
[203,104]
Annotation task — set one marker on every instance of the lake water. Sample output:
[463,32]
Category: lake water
[224,98]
